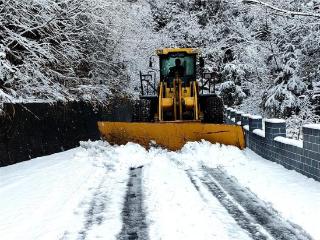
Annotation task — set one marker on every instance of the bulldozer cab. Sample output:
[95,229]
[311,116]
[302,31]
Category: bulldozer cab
[178,89]
[181,64]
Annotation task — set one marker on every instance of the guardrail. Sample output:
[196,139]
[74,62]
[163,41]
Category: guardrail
[271,142]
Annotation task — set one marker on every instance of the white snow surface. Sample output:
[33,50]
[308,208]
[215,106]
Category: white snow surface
[50,197]
[255,117]
[239,112]
[313,126]
[260,132]
[289,141]
[275,120]
[176,209]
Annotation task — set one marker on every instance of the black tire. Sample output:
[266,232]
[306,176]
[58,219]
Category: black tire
[213,110]
[142,111]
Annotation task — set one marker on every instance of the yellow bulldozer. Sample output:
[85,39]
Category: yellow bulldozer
[176,109]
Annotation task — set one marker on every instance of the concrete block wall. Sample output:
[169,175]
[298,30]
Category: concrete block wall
[271,143]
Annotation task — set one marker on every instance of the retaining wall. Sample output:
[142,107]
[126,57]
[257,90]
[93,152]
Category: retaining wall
[37,129]
[271,143]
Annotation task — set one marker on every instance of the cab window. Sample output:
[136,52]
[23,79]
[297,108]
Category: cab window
[188,63]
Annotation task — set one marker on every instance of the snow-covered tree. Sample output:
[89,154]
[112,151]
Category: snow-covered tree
[282,99]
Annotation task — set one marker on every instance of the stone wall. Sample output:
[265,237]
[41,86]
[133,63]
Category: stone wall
[271,143]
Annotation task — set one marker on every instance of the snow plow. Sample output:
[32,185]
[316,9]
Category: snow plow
[176,110]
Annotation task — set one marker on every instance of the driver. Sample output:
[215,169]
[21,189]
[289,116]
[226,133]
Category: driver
[178,69]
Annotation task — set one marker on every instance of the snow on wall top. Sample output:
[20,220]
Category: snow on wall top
[313,126]
[259,132]
[255,117]
[275,120]
[289,141]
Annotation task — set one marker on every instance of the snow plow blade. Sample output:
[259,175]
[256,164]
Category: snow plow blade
[171,135]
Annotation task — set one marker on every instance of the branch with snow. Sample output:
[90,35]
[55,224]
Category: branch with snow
[47,47]
[288,12]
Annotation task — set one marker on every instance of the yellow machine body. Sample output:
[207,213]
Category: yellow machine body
[171,135]
[178,97]
[177,114]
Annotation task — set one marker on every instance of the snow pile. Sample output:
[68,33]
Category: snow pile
[195,154]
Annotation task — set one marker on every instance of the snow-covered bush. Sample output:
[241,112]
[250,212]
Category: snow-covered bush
[231,93]
[280,102]
[233,72]
[306,115]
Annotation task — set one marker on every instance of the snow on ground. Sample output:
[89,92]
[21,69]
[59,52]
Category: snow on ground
[294,195]
[62,195]
[79,194]
[177,210]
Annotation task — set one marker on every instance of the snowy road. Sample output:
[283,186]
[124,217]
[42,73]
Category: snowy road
[204,191]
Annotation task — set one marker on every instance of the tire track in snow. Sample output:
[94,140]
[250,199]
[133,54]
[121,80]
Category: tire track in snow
[133,215]
[245,221]
[264,215]
[94,214]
